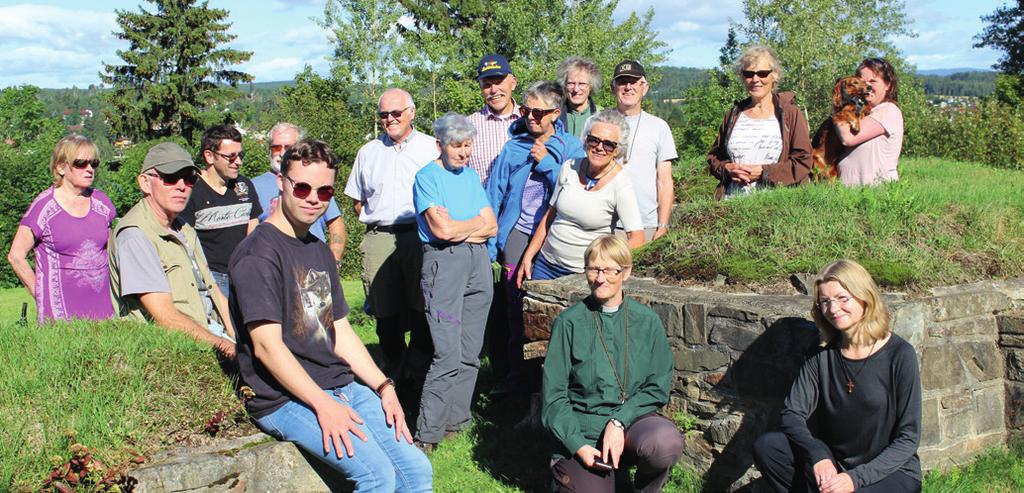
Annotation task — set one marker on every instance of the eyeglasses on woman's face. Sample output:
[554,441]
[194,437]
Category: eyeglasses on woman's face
[85,163]
[609,272]
[536,113]
[763,74]
[607,145]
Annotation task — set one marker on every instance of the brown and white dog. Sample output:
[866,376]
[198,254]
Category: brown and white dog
[849,104]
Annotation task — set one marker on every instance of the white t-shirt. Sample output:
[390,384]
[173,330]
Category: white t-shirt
[753,141]
[875,161]
[584,215]
[650,142]
[383,174]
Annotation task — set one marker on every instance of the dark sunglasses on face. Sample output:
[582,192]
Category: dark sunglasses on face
[189,175]
[396,114]
[608,145]
[84,163]
[301,190]
[231,157]
[537,113]
[749,74]
[278,147]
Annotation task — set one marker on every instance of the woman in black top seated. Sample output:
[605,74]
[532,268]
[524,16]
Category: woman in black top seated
[863,390]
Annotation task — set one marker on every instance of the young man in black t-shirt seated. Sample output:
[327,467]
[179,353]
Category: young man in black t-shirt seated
[297,350]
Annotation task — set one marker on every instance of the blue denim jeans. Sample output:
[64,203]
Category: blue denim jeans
[380,464]
[223,281]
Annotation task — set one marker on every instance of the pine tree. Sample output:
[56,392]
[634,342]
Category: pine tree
[176,71]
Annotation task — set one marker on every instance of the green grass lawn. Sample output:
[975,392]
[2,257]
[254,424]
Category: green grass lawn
[943,223]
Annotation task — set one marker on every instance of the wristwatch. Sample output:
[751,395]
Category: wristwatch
[618,424]
[663,225]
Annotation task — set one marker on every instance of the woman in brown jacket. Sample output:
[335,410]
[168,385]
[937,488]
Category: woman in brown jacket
[764,139]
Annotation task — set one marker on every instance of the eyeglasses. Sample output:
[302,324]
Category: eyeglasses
[396,114]
[607,145]
[238,156]
[825,303]
[84,163]
[609,272]
[537,113]
[279,147]
[581,85]
[189,175]
[749,74]
[301,190]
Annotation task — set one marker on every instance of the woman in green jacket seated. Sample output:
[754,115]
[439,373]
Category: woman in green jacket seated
[607,372]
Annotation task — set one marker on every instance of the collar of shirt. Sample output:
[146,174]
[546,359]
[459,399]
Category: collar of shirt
[491,115]
[399,146]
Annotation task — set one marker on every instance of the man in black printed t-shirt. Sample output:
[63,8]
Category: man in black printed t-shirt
[297,350]
[223,207]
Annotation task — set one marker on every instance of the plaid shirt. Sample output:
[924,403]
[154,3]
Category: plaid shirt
[491,135]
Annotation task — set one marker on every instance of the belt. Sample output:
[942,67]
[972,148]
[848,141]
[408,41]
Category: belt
[391,228]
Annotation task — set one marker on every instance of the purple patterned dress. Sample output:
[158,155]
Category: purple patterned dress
[72,275]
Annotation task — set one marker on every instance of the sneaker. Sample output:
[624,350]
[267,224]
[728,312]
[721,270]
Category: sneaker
[426,447]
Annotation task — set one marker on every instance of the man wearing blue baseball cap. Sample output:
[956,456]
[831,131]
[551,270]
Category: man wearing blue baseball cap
[500,109]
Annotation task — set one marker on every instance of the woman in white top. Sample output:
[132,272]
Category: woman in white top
[872,154]
[591,194]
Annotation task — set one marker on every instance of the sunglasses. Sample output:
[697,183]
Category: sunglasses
[608,145]
[537,113]
[278,147]
[396,114]
[301,190]
[188,175]
[231,157]
[749,74]
[84,163]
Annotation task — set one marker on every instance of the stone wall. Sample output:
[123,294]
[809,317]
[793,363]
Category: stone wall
[737,354]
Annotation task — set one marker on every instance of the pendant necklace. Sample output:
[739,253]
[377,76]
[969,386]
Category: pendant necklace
[592,181]
[846,370]
[625,370]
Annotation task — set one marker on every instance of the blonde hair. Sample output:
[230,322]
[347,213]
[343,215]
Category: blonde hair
[757,53]
[610,247]
[66,151]
[857,280]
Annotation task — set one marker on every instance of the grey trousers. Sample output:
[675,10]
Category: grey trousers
[457,288]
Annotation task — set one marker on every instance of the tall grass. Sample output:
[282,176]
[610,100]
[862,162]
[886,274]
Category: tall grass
[943,223]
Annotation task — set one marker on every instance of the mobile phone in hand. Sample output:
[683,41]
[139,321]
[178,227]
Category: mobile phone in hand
[601,465]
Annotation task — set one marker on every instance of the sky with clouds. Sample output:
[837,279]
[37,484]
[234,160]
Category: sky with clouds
[60,43]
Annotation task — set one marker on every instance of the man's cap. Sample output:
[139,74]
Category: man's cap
[167,158]
[492,65]
[629,68]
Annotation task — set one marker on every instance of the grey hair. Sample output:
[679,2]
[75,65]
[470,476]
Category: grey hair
[754,54]
[282,126]
[453,128]
[575,63]
[612,117]
[408,97]
[551,93]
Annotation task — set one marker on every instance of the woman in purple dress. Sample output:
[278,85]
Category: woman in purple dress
[67,225]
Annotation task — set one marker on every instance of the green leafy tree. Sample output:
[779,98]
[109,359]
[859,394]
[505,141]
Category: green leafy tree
[1006,33]
[819,41]
[176,72]
[23,116]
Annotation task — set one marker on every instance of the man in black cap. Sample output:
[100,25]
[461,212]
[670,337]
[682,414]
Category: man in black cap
[157,268]
[651,149]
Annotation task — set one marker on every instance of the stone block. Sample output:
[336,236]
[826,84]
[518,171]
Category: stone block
[941,368]
[956,453]
[1014,364]
[671,316]
[735,333]
[734,313]
[957,402]
[957,424]
[720,432]
[968,304]
[538,317]
[931,430]
[761,380]
[980,325]
[694,319]
[908,322]
[982,359]
[990,415]
[1011,323]
[1011,340]
[701,358]
[1015,405]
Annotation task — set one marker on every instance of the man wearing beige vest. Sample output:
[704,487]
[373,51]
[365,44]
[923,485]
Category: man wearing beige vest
[158,271]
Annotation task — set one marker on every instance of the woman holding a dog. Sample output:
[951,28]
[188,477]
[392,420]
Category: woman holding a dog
[764,139]
[873,152]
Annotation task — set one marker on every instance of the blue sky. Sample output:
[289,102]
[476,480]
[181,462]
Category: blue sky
[54,43]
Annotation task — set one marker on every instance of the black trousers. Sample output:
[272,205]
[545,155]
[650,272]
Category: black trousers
[785,471]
